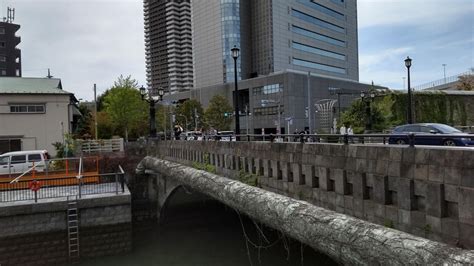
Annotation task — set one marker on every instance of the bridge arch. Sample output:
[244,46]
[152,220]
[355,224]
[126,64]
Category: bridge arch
[306,222]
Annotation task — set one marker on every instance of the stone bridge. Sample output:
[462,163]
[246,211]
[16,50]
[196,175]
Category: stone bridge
[324,191]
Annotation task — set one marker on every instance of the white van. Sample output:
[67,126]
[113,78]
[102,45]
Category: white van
[18,162]
[226,135]
[193,135]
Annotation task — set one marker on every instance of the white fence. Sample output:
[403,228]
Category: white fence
[101,145]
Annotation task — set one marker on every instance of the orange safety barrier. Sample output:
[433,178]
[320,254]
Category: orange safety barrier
[54,178]
[48,181]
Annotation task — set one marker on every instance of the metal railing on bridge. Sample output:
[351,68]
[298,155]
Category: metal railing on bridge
[410,139]
[440,82]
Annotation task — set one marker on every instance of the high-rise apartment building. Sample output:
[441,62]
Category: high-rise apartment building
[319,36]
[10,55]
[168,45]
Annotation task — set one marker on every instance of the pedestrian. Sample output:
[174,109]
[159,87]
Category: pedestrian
[343,130]
[350,132]
[177,131]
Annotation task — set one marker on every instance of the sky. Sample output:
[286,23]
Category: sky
[94,41]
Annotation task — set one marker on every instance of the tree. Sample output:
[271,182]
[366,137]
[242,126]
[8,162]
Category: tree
[215,113]
[127,112]
[189,115]
[121,82]
[357,114]
[85,123]
[105,127]
[466,82]
[164,121]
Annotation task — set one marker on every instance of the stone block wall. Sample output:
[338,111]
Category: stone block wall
[426,191]
[36,233]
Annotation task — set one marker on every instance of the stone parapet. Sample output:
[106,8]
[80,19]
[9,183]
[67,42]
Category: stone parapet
[425,191]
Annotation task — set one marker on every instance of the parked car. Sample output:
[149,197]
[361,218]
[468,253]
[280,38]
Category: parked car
[18,162]
[226,135]
[400,135]
[193,135]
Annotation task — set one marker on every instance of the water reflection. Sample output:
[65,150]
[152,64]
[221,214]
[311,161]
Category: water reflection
[210,234]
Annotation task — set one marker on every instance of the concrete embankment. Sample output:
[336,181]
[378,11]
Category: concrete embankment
[37,233]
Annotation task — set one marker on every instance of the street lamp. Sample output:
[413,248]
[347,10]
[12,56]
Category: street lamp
[367,97]
[235,54]
[152,100]
[408,65]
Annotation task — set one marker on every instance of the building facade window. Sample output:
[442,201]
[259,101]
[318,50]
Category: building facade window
[316,21]
[322,9]
[305,63]
[314,50]
[340,2]
[2,44]
[28,108]
[317,36]
[8,145]
[268,89]
[270,110]
[230,18]
[2,30]
[3,58]
[3,72]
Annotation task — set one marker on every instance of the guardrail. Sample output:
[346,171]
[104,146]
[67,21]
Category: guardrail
[44,188]
[410,139]
[442,81]
[101,145]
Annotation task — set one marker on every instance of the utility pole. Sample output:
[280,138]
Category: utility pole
[195,124]
[247,118]
[279,113]
[444,67]
[95,111]
[309,103]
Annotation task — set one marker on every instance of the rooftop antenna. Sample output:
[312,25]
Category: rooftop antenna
[10,15]
[49,74]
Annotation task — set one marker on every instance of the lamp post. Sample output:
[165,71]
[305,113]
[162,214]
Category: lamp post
[444,70]
[149,98]
[367,97]
[408,65]
[235,54]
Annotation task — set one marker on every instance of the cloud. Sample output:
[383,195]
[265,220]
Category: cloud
[83,42]
[367,62]
[418,13]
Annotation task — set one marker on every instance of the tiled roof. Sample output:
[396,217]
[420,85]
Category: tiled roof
[14,85]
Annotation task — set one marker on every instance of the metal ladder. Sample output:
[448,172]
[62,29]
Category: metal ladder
[73,228]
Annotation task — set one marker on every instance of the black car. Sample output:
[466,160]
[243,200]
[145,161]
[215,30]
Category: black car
[400,135]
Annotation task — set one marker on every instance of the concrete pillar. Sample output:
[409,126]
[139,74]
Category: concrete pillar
[297,174]
[310,178]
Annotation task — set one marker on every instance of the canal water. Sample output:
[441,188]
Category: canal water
[211,234]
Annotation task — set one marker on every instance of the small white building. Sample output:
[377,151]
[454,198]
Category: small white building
[34,113]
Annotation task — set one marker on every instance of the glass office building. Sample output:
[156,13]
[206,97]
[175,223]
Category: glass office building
[319,36]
